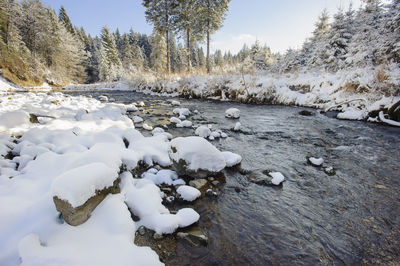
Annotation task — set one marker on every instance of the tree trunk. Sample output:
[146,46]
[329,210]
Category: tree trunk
[168,59]
[208,53]
[188,50]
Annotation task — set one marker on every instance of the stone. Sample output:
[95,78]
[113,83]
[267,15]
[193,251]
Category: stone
[194,237]
[329,170]
[198,183]
[215,183]
[211,193]
[263,179]
[157,236]
[79,215]
[306,113]
[142,230]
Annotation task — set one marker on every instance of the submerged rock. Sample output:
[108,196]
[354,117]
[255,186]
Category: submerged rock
[329,170]
[198,183]
[306,113]
[267,178]
[194,237]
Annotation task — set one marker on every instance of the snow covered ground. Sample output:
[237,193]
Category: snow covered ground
[354,92]
[52,144]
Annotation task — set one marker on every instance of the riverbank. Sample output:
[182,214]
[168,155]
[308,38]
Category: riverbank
[358,94]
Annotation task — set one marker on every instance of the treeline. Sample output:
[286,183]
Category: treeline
[361,38]
[37,44]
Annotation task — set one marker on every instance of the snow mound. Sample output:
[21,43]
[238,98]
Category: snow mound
[137,119]
[277,178]
[237,126]
[316,161]
[181,111]
[164,176]
[14,121]
[232,113]
[188,193]
[231,158]
[185,123]
[203,131]
[188,216]
[197,153]
[78,185]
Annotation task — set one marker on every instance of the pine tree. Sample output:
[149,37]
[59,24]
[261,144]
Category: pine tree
[391,42]
[161,14]
[110,66]
[158,55]
[64,18]
[211,14]
[320,42]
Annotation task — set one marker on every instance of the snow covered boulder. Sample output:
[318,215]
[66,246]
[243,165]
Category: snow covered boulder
[203,131]
[232,113]
[196,157]
[316,161]
[77,192]
[267,178]
[231,158]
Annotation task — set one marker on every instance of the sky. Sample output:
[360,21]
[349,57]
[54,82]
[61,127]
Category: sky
[280,24]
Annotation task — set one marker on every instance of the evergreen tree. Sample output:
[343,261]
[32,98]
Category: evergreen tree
[110,66]
[319,42]
[211,15]
[161,14]
[158,55]
[64,18]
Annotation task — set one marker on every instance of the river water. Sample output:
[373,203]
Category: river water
[352,217]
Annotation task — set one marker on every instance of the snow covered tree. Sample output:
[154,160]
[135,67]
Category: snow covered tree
[211,14]
[366,43]
[158,55]
[319,42]
[161,14]
[391,41]
[110,65]
[64,18]
[187,22]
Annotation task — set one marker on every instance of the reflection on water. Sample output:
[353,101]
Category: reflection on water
[349,218]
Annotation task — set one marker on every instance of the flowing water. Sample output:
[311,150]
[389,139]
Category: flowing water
[352,217]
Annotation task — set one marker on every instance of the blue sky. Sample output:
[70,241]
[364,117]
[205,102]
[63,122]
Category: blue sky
[280,24]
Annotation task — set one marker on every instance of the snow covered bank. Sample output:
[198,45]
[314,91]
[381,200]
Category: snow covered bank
[74,148]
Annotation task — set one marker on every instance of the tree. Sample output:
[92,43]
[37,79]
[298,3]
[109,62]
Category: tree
[211,15]
[320,42]
[158,55]
[391,44]
[110,66]
[64,18]
[186,22]
[161,14]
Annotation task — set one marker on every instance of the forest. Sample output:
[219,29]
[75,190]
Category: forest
[37,44]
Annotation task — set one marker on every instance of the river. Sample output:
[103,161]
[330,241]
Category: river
[351,217]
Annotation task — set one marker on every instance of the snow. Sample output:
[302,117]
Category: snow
[14,121]
[388,121]
[188,193]
[181,111]
[105,239]
[147,127]
[188,216]
[231,158]
[198,154]
[277,178]
[316,161]
[237,126]
[175,120]
[353,114]
[232,113]
[161,177]
[185,123]
[137,119]
[203,131]
[175,103]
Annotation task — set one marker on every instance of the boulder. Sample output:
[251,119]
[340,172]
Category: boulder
[198,183]
[194,237]
[79,215]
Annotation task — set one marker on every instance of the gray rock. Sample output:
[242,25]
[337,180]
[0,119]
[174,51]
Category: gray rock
[79,215]
[142,230]
[329,170]
[215,183]
[211,193]
[194,237]
[157,236]
[260,179]
[198,183]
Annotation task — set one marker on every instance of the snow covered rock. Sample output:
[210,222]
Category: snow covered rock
[103,98]
[237,126]
[277,178]
[175,103]
[185,123]
[196,157]
[232,113]
[188,193]
[77,192]
[203,131]
[231,158]
[175,120]
[316,161]
[147,127]
[181,111]
[137,119]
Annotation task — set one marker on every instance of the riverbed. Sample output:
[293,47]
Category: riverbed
[351,217]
